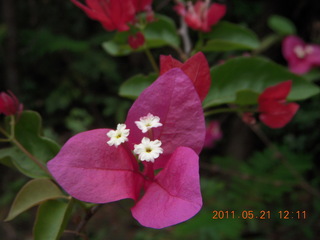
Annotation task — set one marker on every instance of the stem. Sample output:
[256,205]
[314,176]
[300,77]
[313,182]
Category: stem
[267,43]
[85,220]
[225,110]
[151,59]
[148,170]
[82,235]
[33,158]
[187,46]
[11,138]
[302,182]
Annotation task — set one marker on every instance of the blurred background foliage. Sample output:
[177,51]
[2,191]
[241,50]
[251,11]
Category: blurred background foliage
[51,57]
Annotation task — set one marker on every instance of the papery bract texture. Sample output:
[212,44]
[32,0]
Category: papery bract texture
[274,111]
[92,171]
[175,194]
[173,99]
[197,69]
[112,14]
[301,57]
[9,104]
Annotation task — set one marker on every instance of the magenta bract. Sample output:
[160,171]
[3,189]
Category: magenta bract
[92,171]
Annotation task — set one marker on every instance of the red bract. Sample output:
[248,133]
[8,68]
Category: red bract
[9,104]
[301,57]
[201,16]
[112,14]
[91,170]
[142,5]
[137,40]
[196,67]
[274,111]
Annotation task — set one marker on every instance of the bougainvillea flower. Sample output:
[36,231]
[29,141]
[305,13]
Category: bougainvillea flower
[274,111]
[136,41]
[201,16]
[142,5]
[301,57]
[196,67]
[9,104]
[164,130]
[248,118]
[112,14]
[213,134]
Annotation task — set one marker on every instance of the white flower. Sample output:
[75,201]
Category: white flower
[148,122]
[302,52]
[118,136]
[148,150]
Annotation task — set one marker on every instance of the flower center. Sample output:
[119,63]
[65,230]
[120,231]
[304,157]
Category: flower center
[147,122]
[302,52]
[148,150]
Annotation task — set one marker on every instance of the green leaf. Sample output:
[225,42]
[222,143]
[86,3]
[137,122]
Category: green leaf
[159,33]
[227,36]
[43,41]
[162,32]
[5,157]
[28,134]
[51,220]
[281,25]
[33,193]
[135,85]
[246,97]
[253,74]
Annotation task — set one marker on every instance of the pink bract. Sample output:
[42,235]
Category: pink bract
[301,57]
[274,111]
[92,171]
[196,67]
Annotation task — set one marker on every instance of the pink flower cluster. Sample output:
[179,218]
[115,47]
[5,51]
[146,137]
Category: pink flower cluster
[164,129]
[301,57]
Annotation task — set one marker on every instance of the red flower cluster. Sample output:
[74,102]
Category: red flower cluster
[137,40]
[9,104]
[114,14]
[202,15]
[274,111]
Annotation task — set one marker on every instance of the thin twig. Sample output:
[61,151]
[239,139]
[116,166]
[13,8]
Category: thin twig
[84,236]
[87,217]
[187,46]
[302,182]
[151,59]
[215,169]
